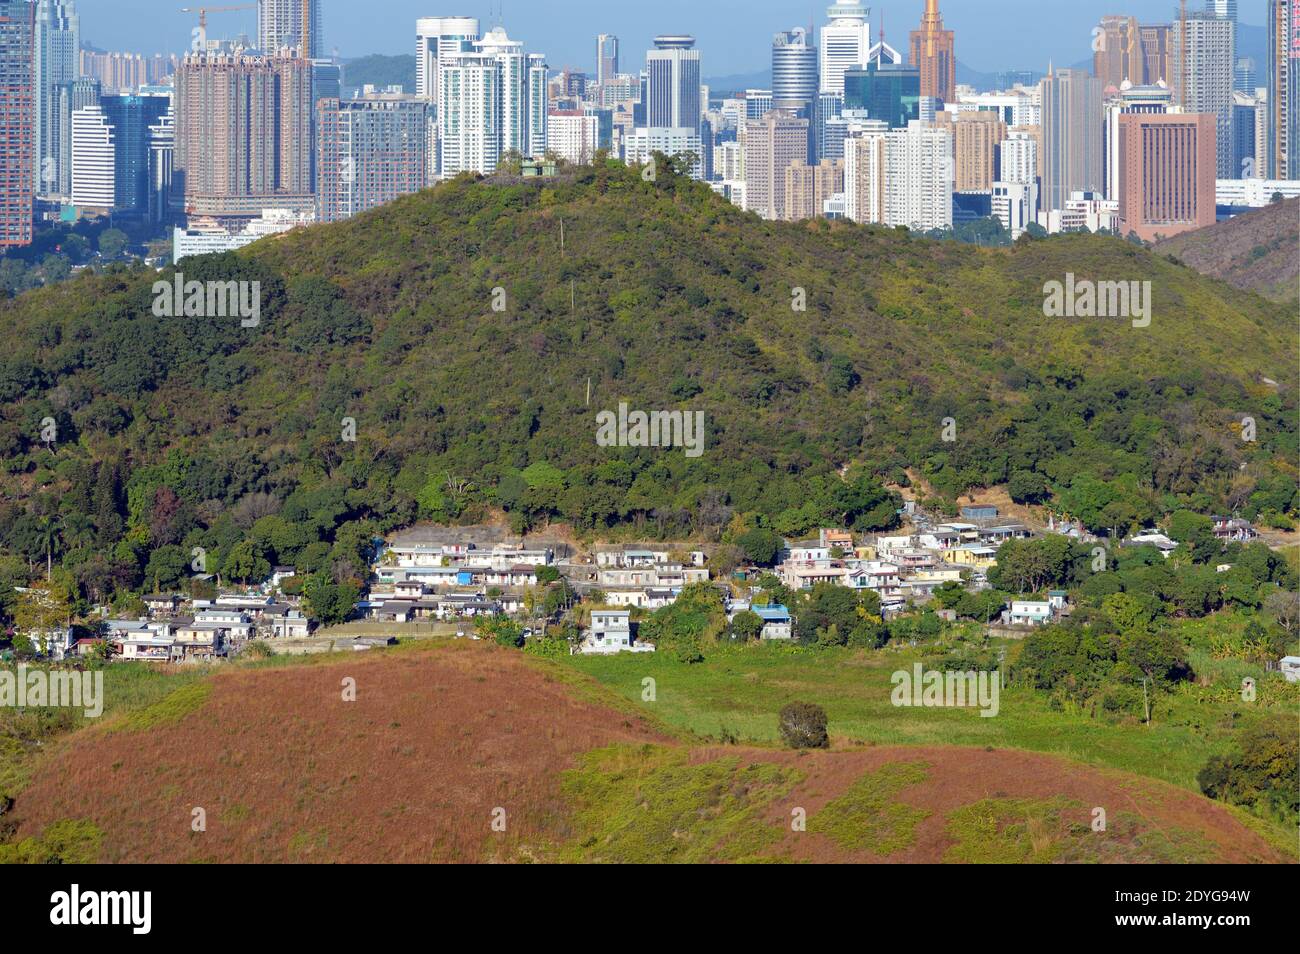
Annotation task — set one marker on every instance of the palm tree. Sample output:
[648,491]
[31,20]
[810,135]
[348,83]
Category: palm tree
[49,534]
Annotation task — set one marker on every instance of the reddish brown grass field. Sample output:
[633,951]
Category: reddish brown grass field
[440,736]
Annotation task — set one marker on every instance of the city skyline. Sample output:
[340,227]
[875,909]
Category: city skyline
[735,37]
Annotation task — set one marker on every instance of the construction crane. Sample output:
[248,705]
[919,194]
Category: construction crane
[202,34]
[204,11]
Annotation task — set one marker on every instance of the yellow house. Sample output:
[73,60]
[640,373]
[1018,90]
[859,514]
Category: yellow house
[979,557]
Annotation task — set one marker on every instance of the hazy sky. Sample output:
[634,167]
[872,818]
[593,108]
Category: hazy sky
[734,37]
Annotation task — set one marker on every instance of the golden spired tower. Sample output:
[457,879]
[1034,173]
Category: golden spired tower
[932,53]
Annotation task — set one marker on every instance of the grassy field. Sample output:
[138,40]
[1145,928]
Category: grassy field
[736,693]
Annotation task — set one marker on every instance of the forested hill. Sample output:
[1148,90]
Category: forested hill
[182,432]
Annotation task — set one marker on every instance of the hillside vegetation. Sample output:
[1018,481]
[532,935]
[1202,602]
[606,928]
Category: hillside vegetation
[176,433]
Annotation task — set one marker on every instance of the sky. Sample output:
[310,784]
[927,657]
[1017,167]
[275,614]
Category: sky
[734,37]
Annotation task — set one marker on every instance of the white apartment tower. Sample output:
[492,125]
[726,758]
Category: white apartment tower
[279,25]
[845,44]
[919,177]
[491,101]
[437,38]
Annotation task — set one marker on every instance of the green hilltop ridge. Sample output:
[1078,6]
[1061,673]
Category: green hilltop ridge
[182,432]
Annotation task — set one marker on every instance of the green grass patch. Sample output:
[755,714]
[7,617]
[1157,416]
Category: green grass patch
[867,817]
[67,842]
[172,708]
[648,804]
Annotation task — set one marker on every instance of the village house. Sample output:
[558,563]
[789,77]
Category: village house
[1233,529]
[647,598]
[1027,613]
[611,632]
[836,539]
[162,605]
[777,623]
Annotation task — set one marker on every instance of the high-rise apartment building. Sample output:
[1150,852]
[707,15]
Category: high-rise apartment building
[437,38]
[17,121]
[371,150]
[573,135]
[243,134]
[492,101]
[1203,57]
[55,63]
[1166,173]
[919,177]
[864,173]
[976,136]
[844,44]
[808,187]
[771,145]
[606,58]
[280,25]
[1071,136]
[673,84]
[933,54]
[1283,67]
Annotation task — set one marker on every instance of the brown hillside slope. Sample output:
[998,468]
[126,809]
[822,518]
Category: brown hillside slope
[439,738]
[1258,251]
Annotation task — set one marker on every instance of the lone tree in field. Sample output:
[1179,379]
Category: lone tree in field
[803,726]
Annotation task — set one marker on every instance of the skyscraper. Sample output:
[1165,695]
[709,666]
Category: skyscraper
[1166,173]
[794,71]
[436,38]
[864,173]
[673,84]
[371,150]
[280,25]
[94,185]
[845,44]
[243,134]
[888,92]
[1072,144]
[606,58]
[1156,64]
[1282,83]
[934,56]
[1119,58]
[1133,99]
[1203,61]
[56,58]
[132,117]
[81,92]
[17,121]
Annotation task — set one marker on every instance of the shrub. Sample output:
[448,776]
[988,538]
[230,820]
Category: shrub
[803,726]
